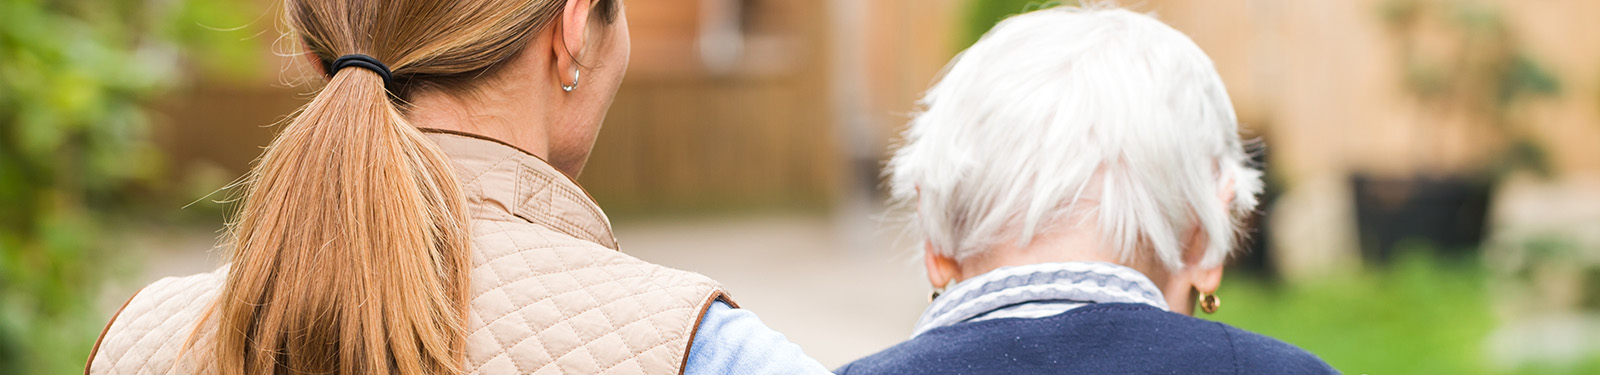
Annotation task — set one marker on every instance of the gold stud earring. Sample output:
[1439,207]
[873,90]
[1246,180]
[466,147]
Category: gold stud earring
[1209,302]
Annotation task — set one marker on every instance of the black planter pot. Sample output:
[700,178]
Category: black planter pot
[1447,213]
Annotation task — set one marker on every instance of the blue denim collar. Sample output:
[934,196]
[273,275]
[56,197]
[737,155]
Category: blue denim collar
[1051,287]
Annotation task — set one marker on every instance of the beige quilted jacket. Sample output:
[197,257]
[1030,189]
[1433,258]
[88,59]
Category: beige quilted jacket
[550,292]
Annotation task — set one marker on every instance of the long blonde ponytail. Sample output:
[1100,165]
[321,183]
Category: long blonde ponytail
[351,250]
[352,229]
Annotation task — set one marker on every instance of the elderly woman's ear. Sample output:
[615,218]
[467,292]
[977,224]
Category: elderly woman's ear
[1193,283]
[1196,279]
[942,270]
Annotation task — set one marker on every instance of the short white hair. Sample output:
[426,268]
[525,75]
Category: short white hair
[1070,117]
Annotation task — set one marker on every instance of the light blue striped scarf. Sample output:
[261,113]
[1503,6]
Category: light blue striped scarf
[1037,291]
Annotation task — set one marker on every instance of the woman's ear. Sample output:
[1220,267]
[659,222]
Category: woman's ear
[316,62]
[1193,277]
[1207,280]
[571,32]
[941,269]
[1226,194]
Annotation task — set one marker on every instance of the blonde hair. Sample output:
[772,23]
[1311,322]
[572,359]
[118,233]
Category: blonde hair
[352,248]
[1065,118]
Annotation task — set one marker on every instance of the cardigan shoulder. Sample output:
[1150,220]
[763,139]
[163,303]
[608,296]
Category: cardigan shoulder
[1103,338]
[1265,355]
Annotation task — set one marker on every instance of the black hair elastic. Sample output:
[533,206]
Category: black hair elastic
[363,62]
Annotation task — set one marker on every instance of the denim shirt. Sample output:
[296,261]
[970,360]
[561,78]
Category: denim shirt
[734,341]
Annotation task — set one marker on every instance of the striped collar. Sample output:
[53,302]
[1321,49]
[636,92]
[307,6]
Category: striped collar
[1037,291]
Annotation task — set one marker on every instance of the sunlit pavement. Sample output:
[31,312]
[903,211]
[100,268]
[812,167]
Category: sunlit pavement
[838,290]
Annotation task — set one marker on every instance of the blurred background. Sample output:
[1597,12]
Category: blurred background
[1434,177]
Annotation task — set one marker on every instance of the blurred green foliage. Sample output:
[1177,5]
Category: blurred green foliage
[1423,315]
[1496,70]
[981,15]
[76,78]
[1486,74]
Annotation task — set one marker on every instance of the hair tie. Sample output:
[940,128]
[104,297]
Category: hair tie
[360,61]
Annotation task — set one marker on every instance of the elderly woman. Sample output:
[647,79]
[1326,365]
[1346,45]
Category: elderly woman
[1079,184]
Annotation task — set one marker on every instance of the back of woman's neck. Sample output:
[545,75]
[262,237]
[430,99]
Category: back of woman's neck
[487,115]
[1054,247]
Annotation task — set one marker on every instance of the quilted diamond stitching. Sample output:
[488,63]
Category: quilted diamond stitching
[477,175]
[617,299]
[557,295]
[567,272]
[574,349]
[637,272]
[652,325]
[144,321]
[164,305]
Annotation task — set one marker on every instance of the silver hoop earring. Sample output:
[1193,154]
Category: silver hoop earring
[575,75]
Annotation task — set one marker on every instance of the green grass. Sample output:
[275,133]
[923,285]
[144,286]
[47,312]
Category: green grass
[1420,315]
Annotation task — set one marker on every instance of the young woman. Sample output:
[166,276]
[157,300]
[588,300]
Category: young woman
[418,217]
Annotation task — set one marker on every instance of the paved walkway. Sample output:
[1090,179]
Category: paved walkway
[840,291]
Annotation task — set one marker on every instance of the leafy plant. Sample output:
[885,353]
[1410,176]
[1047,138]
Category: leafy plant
[1476,66]
[76,78]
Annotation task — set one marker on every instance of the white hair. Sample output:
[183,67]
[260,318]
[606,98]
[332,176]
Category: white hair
[1064,115]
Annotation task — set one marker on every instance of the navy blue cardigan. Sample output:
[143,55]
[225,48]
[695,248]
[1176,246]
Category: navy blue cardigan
[1111,338]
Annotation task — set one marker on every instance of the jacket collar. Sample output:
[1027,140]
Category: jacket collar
[1052,287]
[500,180]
